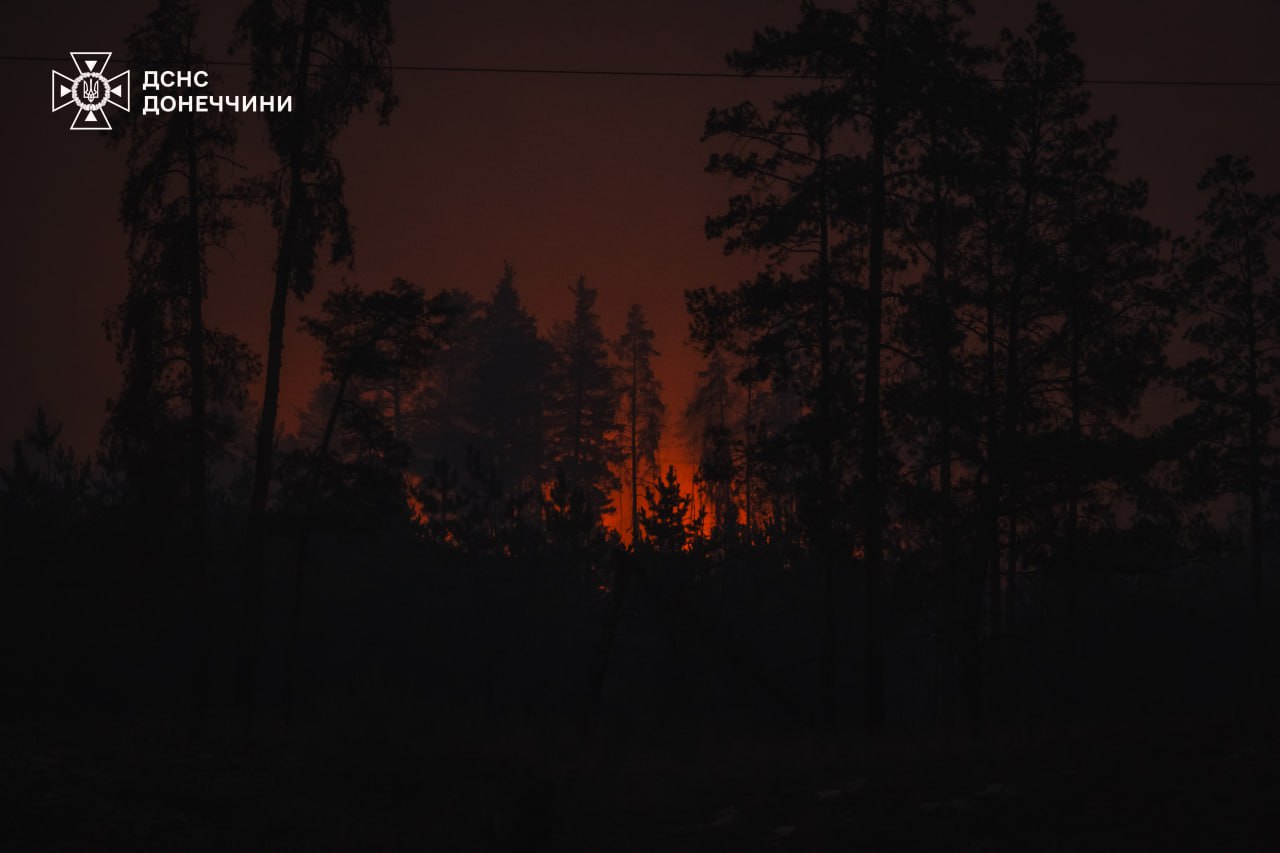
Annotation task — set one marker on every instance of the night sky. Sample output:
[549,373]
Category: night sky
[560,176]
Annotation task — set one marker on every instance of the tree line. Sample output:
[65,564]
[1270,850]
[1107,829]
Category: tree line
[940,378]
[946,358]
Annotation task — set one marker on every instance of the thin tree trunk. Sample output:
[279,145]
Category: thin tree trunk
[1002,597]
[874,520]
[953,584]
[747,467]
[635,447]
[1008,462]
[983,569]
[1255,476]
[255,559]
[197,462]
[825,452]
[1073,579]
[723,497]
[152,523]
[303,556]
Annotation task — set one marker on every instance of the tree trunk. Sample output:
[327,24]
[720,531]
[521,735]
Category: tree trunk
[635,447]
[825,452]
[747,468]
[953,585]
[987,553]
[1255,476]
[195,345]
[304,546]
[255,558]
[1002,597]
[1073,579]
[874,519]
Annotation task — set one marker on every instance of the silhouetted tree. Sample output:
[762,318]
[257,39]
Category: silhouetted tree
[712,421]
[330,58]
[55,485]
[930,407]
[503,397]
[1232,300]
[574,534]
[1034,328]
[1070,327]
[582,413]
[445,504]
[819,164]
[49,500]
[789,159]
[376,345]
[178,373]
[668,518]
[642,406]
[440,419]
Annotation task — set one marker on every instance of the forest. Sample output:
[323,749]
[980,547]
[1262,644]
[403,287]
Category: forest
[983,482]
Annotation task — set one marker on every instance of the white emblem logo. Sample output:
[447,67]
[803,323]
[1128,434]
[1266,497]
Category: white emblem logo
[91,91]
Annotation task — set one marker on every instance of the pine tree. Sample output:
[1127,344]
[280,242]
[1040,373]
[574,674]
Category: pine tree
[178,373]
[504,399]
[642,407]
[1233,381]
[330,59]
[440,417]
[1069,323]
[375,348]
[788,157]
[582,417]
[711,420]
[668,518]
[928,400]
[445,503]
[819,165]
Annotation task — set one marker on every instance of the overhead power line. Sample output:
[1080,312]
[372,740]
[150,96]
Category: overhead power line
[708,75]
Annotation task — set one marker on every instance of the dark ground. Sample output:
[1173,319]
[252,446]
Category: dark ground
[1208,784]
[439,711]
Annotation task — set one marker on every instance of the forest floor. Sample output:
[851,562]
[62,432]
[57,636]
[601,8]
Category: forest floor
[1193,785]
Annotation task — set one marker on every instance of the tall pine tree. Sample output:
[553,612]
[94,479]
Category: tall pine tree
[583,404]
[330,58]
[642,407]
[1233,380]
[179,374]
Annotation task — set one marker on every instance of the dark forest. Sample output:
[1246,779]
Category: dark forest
[962,540]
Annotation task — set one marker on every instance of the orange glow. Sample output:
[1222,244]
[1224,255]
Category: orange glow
[619,520]
[417,511]
[616,520]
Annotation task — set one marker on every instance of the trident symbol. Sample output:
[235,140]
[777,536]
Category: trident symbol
[92,91]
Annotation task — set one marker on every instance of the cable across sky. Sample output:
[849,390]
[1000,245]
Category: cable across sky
[677,74]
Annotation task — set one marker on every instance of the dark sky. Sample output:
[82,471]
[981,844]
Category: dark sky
[560,176]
